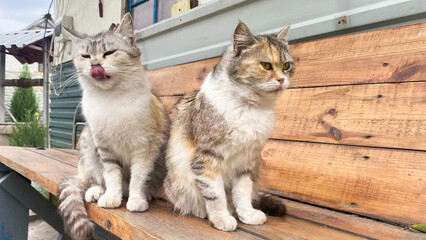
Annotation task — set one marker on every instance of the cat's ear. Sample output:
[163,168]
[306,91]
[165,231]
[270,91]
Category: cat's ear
[73,35]
[125,27]
[242,37]
[282,35]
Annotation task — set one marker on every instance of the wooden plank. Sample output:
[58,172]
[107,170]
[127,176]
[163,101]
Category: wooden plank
[69,151]
[382,115]
[350,223]
[60,156]
[23,82]
[159,222]
[380,183]
[295,228]
[45,171]
[389,55]
[177,80]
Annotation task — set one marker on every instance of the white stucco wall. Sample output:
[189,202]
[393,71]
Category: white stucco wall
[86,19]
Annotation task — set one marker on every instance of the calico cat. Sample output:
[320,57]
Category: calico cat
[213,155]
[122,149]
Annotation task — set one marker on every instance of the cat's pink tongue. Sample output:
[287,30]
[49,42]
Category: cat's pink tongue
[98,72]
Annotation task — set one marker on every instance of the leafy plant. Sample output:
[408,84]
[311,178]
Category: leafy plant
[23,99]
[29,133]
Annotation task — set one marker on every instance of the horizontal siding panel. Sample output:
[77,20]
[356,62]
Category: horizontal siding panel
[59,143]
[63,114]
[61,124]
[65,95]
[65,103]
[60,133]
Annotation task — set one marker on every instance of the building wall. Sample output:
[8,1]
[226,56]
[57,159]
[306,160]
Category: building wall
[205,31]
[65,95]
[86,19]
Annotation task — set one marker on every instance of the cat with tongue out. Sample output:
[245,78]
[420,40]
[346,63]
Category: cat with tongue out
[98,72]
[122,149]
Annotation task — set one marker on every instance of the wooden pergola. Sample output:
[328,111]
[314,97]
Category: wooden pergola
[27,46]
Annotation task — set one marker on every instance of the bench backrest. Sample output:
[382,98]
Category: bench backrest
[350,133]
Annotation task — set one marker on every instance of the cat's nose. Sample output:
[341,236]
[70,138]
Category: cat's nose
[280,80]
[95,64]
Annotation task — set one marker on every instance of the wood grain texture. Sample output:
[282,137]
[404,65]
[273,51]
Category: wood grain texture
[47,172]
[60,156]
[380,183]
[390,55]
[350,223]
[382,115]
[47,168]
[296,228]
[180,79]
[159,222]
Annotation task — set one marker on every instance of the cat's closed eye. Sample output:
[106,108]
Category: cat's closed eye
[287,66]
[109,53]
[85,56]
[266,65]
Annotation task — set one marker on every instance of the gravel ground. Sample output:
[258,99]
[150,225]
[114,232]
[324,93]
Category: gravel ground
[40,230]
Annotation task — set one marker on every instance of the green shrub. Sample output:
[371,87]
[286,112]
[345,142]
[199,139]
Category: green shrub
[29,133]
[23,99]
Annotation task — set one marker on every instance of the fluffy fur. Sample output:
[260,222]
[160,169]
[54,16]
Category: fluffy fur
[213,155]
[122,149]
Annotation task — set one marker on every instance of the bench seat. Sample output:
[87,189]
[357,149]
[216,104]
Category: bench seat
[48,167]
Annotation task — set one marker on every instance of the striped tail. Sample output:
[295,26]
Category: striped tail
[271,205]
[71,207]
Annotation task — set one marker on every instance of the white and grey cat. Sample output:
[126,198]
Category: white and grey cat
[122,148]
[213,155]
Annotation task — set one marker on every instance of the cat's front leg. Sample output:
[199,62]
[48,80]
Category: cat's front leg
[140,169]
[209,181]
[242,198]
[113,182]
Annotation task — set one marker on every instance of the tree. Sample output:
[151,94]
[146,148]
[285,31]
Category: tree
[23,99]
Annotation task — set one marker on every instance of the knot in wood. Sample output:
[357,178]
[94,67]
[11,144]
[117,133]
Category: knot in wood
[335,133]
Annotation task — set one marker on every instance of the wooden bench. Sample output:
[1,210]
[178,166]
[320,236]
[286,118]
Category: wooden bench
[347,155]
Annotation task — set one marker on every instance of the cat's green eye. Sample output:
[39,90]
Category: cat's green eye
[266,65]
[287,66]
[109,53]
[85,56]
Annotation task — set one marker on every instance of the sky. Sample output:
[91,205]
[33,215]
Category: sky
[17,14]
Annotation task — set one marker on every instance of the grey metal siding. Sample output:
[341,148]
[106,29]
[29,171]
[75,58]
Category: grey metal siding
[65,94]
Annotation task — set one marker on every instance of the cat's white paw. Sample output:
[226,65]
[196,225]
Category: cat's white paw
[137,205]
[252,217]
[94,193]
[199,212]
[109,201]
[227,223]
